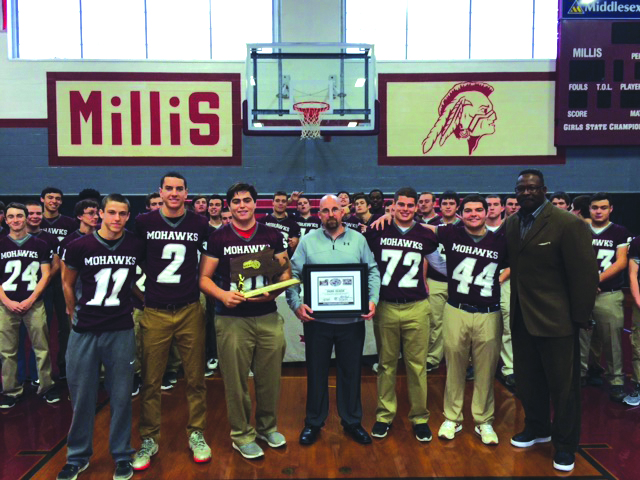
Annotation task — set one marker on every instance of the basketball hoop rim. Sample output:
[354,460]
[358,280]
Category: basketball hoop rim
[308,106]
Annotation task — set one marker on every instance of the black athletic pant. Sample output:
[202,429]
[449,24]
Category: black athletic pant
[54,302]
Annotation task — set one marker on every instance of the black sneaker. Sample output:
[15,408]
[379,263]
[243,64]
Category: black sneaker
[564,461]
[527,438]
[432,366]
[166,382]
[422,432]
[137,383]
[617,393]
[8,401]
[380,429]
[470,373]
[124,470]
[71,471]
[52,395]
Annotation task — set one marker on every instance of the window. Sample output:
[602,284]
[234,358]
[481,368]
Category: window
[454,29]
[429,37]
[48,29]
[501,29]
[99,24]
[139,29]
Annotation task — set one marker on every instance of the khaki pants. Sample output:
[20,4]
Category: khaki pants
[506,350]
[480,333]
[438,295]
[159,328]
[609,317]
[635,345]
[36,322]
[251,343]
[407,325]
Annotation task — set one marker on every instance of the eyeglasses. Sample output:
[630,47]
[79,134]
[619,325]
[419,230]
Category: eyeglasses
[530,188]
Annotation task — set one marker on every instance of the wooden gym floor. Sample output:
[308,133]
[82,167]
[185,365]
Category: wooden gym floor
[32,440]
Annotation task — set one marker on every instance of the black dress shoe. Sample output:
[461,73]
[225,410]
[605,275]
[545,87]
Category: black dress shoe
[309,435]
[358,433]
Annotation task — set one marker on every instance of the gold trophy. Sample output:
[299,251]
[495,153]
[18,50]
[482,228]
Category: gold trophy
[262,263]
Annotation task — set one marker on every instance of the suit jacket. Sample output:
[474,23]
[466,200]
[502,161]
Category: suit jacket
[554,273]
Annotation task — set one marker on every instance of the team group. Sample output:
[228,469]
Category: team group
[439,287]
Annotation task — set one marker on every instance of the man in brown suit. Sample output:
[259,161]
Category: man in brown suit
[554,279]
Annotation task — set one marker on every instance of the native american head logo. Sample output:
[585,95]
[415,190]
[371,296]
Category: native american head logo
[466,113]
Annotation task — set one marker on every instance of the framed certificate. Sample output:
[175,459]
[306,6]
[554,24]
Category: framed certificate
[336,291]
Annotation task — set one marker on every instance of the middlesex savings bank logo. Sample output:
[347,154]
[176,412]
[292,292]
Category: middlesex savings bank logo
[580,7]
[144,118]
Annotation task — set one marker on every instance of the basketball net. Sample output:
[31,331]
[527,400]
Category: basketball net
[310,117]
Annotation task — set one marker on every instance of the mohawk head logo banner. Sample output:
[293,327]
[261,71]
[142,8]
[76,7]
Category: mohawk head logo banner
[132,119]
[467,119]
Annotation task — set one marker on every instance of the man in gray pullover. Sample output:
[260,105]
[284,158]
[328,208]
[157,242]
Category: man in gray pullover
[333,244]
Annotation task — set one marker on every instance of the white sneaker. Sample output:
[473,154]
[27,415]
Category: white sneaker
[212,363]
[200,449]
[487,434]
[142,458]
[374,367]
[633,398]
[448,429]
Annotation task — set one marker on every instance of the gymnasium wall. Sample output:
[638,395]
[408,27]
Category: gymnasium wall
[275,163]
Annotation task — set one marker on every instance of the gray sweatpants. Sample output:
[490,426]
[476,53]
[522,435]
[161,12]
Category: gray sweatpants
[85,353]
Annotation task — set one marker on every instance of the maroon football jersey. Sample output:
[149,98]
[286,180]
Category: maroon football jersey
[105,277]
[225,244]
[61,226]
[307,224]
[48,238]
[432,273]
[171,257]
[352,221]
[400,258]
[287,226]
[606,243]
[473,268]
[62,246]
[20,262]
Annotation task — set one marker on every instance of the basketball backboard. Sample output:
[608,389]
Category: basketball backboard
[280,77]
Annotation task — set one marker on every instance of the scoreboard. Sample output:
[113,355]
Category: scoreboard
[598,73]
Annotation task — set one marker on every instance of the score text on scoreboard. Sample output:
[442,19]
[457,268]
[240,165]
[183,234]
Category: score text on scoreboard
[598,73]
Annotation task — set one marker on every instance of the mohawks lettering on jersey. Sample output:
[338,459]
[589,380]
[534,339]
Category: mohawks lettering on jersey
[176,236]
[19,253]
[117,260]
[401,242]
[597,242]
[480,252]
[243,249]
